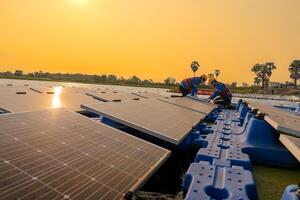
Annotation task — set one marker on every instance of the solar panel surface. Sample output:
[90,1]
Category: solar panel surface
[188,103]
[112,95]
[162,120]
[43,89]
[4,89]
[292,144]
[70,98]
[148,95]
[57,154]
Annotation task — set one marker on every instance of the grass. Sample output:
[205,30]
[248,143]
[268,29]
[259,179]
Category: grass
[271,182]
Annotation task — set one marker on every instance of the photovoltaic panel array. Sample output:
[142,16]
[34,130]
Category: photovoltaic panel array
[281,120]
[70,98]
[157,118]
[56,154]
[4,89]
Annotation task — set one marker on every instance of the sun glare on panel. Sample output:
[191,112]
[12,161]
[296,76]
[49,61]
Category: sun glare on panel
[56,97]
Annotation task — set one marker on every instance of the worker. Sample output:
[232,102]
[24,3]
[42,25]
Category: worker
[190,85]
[221,95]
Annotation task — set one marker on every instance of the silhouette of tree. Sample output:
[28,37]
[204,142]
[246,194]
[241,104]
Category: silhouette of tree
[217,73]
[170,81]
[294,69]
[263,72]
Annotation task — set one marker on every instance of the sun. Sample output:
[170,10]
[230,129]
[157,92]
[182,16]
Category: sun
[79,1]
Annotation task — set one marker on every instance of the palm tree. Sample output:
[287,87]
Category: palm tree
[217,73]
[263,72]
[294,69]
[195,66]
[270,66]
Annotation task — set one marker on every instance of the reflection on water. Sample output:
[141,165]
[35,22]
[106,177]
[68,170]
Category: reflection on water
[56,97]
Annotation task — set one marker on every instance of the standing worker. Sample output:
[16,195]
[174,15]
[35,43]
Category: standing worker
[222,94]
[190,85]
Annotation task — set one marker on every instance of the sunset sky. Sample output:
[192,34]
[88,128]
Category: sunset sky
[149,38]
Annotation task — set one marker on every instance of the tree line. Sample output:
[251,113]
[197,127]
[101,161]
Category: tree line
[86,78]
[264,71]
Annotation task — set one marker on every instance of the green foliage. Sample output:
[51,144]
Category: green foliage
[86,78]
[195,66]
[170,81]
[233,85]
[217,73]
[263,73]
[272,181]
[294,69]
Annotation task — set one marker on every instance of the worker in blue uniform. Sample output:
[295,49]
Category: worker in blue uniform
[190,85]
[222,95]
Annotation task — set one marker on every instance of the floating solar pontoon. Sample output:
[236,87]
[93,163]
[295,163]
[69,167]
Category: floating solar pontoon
[157,118]
[282,121]
[56,154]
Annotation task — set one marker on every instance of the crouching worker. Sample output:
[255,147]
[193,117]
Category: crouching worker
[222,94]
[190,85]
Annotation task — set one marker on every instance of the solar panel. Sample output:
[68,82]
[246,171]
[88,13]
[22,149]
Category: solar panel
[64,97]
[148,95]
[4,89]
[279,119]
[56,154]
[43,89]
[292,144]
[112,95]
[188,103]
[159,119]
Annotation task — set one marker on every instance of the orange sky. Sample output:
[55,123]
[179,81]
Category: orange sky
[149,38]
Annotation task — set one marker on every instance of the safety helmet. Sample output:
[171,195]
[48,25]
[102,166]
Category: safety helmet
[204,77]
[212,80]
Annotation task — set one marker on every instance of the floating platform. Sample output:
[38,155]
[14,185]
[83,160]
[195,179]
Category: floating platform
[222,168]
[59,154]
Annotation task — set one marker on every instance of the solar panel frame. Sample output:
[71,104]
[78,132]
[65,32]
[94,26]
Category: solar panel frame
[164,131]
[292,144]
[58,141]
